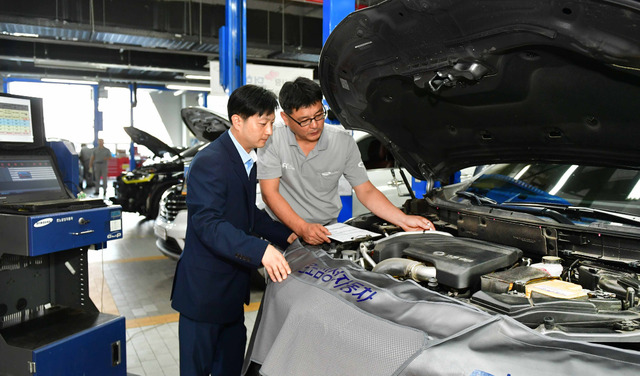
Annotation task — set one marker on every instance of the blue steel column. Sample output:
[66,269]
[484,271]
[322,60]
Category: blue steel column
[333,11]
[133,99]
[233,46]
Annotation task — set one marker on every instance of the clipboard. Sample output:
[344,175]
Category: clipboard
[345,233]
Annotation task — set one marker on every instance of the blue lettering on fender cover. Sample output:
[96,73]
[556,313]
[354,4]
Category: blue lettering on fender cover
[337,279]
[477,372]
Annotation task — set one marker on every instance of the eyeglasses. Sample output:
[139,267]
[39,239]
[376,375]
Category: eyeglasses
[307,122]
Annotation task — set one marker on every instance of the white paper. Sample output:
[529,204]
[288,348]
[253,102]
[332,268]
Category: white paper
[345,233]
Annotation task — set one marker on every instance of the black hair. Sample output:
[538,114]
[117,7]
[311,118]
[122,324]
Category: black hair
[249,100]
[300,93]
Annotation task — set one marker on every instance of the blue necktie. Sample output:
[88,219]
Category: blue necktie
[249,164]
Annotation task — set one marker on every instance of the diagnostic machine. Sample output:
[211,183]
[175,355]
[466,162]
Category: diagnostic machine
[48,323]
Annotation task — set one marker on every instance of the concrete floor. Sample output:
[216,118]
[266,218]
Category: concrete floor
[133,279]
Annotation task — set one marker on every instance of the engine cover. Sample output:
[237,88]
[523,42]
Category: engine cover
[459,262]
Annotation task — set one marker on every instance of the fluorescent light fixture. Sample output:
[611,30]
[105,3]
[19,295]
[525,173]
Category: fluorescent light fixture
[197,77]
[70,65]
[17,34]
[178,92]
[65,81]
[188,87]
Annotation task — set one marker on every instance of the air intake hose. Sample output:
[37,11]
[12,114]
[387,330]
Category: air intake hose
[399,267]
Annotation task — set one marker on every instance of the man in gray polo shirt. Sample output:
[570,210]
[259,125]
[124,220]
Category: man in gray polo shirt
[99,164]
[300,165]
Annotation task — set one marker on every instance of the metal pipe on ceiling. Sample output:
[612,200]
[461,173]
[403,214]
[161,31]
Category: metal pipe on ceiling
[190,19]
[300,22]
[92,21]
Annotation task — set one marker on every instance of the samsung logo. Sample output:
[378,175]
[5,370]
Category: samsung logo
[43,222]
[114,236]
[64,219]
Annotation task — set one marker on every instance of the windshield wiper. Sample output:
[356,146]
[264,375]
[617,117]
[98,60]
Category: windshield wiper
[480,200]
[477,199]
[582,211]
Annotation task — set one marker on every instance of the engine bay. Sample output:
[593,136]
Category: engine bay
[560,281]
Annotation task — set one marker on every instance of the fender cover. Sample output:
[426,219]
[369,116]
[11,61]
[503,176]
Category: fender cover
[331,317]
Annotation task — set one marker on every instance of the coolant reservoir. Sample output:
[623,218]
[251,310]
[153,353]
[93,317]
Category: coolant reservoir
[550,264]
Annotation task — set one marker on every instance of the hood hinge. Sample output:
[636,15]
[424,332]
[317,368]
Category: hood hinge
[460,72]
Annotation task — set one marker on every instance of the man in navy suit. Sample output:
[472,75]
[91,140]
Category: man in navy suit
[211,283]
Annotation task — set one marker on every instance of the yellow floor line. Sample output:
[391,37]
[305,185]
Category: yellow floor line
[252,307]
[152,320]
[173,317]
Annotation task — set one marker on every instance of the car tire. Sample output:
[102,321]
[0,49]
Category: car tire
[153,201]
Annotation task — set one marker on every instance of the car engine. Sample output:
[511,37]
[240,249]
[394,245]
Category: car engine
[553,281]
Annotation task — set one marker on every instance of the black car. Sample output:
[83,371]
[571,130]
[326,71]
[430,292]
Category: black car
[140,190]
[533,269]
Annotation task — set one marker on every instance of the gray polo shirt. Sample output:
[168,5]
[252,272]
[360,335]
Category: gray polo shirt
[310,183]
[101,155]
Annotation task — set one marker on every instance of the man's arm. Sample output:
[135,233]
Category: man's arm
[312,233]
[380,205]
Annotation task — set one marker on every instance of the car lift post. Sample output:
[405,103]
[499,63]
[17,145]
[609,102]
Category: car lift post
[233,46]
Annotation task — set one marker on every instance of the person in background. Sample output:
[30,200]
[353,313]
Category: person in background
[86,179]
[99,165]
[300,165]
[212,279]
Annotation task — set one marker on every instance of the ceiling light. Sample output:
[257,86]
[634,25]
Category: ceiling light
[66,64]
[197,77]
[188,87]
[178,92]
[17,34]
[65,81]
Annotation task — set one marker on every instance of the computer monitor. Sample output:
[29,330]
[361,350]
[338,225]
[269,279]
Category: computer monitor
[21,122]
[15,120]
[25,178]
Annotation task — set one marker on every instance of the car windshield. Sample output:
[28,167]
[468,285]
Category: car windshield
[602,188]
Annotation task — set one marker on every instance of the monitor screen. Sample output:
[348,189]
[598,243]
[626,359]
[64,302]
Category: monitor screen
[16,123]
[29,178]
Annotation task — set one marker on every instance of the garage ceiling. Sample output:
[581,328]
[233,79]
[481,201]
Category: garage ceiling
[149,41]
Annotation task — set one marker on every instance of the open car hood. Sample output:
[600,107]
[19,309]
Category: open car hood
[205,124]
[451,84]
[157,147]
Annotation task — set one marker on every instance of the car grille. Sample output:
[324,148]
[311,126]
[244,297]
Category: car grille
[171,203]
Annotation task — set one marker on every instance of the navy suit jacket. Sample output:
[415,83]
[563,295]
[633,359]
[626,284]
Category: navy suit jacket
[212,277]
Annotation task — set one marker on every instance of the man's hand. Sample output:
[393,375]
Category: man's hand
[416,223]
[275,264]
[314,233]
